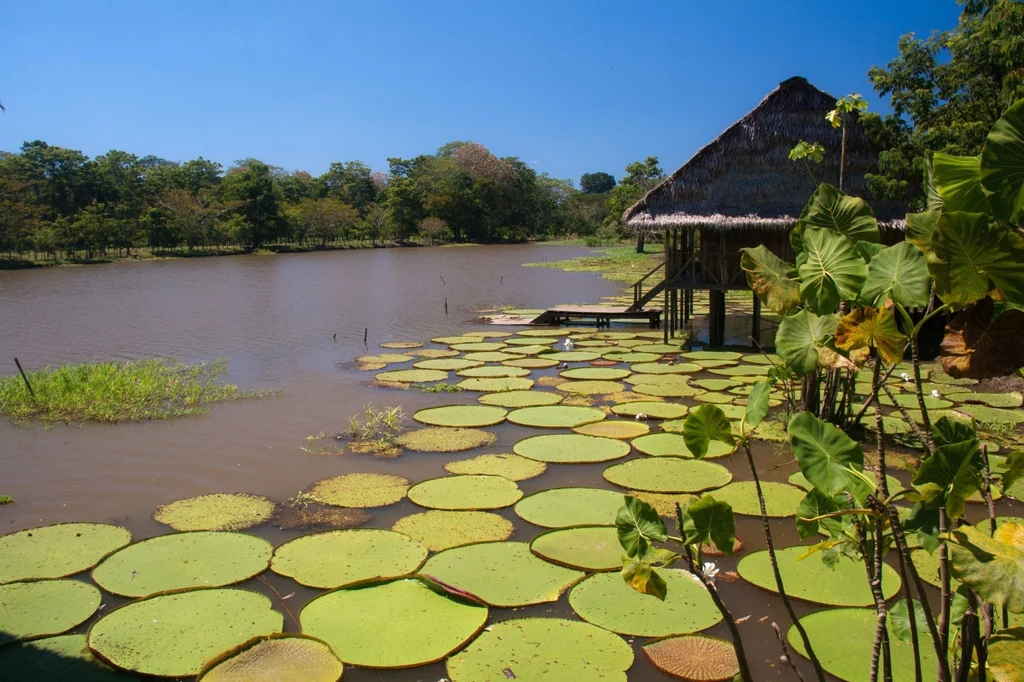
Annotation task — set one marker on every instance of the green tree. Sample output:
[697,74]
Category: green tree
[641,177]
[323,220]
[596,183]
[259,197]
[350,182]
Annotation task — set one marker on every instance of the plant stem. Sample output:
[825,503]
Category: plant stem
[925,419]
[874,394]
[944,580]
[785,651]
[842,156]
[881,643]
[926,440]
[818,670]
[284,604]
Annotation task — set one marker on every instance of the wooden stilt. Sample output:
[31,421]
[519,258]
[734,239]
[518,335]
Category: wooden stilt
[755,333]
[716,317]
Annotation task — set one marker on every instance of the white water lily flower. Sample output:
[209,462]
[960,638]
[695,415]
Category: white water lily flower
[904,376]
[640,416]
[935,394]
[710,570]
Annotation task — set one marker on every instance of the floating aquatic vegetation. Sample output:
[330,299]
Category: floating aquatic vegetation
[465,416]
[447,364]
[467,492]
[399,385]
[574,356]
[438,530]
[44,607]
[586,548]
[516,399]
[498,384]
[698,658]
[66,657]
[387,358]
[668,475]
[595,373]
[992,415]
[370,366]
[1011,399]
[555,416]
[216,511]
[371,626]
[571,448]
[478,346]
[443,439]
[57,551]
[360,490]
[528,350]
[543,333]
[494,372]
[713,355]
[501,573]
[659,348]
[490,356]
[512,467]
[530,363]
[780,499]
[630,356]
[623,397]
[433,353]
[716,385]
[812,580]
[318,517]
[270,658]
[338,558]
[664,368]
[663,503]
[531,341]
[668,390]
[590,387]
[606,600]
[183,560]
[449,340]
[531,648]
[409,376]
[173,635]
[401,344]
[619,429]
[651,409]
[673,445]
[564,507]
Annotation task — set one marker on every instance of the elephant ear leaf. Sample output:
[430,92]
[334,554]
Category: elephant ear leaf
[958,181]
[900,271]
[950,476]
[920,227]
[828,458]
[799,338]
[703,425]
[1002,166]
[636,525]
[991,566]
[871,328]
[772,279]
[710,521]
[933,201]
[971,255]
[831,270]
[851,217]
[979,345]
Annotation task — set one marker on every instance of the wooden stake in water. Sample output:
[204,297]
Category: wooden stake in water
[445,305]
[25,377]
[365,332]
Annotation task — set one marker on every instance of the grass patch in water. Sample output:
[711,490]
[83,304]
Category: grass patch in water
[160,388]
[619,263]
[6,499]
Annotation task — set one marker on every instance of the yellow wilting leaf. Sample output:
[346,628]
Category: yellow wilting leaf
[872,327]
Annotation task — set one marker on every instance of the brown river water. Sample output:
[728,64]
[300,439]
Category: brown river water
[274,318]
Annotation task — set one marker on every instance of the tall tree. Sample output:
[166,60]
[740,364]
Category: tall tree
[252,185]
[596,183]
[641,177]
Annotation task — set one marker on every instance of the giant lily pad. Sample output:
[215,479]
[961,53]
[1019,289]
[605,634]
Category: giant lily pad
[650,409]
[466,493]
[271,658]
[412,376]
[780,499]
[66,657]
[665,368]
[447,364]
[173,635]
[629,356]
[531,341]
[590,387]
[478,346]
[606,600]
[595,373]
[847,656]
[587,548]
[57,551]
[667,390]
[440,530]
[401,344]
[487,385]
[697,658]
[539,648]
[501,573]
[400,624]
[555,416]
[812,580]
[443,439]
[620,429]
[993,415]
[386,358]
[44,607]
[517,399]
[663,503]
[531,363]
[362,491]
[571,448]
[713,355]
[488,356]
[574,356]
[527,350]
[433,353]
[337,558]
[673,445]
[180,560]
[494,372]
[512,467]
[668,475]
[659,348]
[564,507]
[461,415]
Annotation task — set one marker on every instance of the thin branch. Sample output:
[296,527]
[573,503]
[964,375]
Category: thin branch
[785,651]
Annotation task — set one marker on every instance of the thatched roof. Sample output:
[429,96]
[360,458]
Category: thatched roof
[744,179]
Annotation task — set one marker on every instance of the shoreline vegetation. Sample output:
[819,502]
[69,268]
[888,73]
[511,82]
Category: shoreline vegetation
[160,388]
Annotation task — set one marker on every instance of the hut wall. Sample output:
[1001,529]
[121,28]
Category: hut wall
[720,252]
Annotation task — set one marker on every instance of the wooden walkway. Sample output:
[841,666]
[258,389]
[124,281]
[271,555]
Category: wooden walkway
[602,315]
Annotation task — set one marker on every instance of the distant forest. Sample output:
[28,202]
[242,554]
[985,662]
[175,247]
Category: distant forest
[59,203]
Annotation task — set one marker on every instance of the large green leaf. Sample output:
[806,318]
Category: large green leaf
[920,227]
[950,476]
[1006,655]
[900,619]
[1002,166]
[900,270]
[709,519]
[868,327]
[703,425]
[800,335]
[637,523]
[958,181]
[991,566]
[817,504]
[772,279]
[826,455]
[831,270]
[757,403]
[1013,470]
[850,216]
[970,255]
[933,201]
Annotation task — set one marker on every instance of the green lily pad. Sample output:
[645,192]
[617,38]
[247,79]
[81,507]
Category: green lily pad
[713,355]
[401,344]
[713,398]
[44,607]
[471,493]
[57,551]
[173,635]
[619,429]
[516,399]
[401,624]
[217,511]
[630,356]
[449,340]
[461,415]
[694,657]
[666,390]
[501,573]
[673,445]
[555,416]
[531,341]
[543,333]
[993,415]
[590,387]
[895,426]
[494,372]
[571,448]
[433,353]
[1011,399]
[664,368]
[800,481]
[478,346]
[542,648]
[486,385]
[759,371]
[488,335]
[715,384]
[408,376]
[668,475]
[530,363]
[66,657]
[528,350]
[182,560]
[847,656]
[651,410]
[440,530]
[447,364]
[811,580]
[659,348]
[780,499]
[770,359]
[512,467]
[488,356]
[361,491]
[338,558]
[270,658]
[564,507]
[574,356]
[605,600]
[587,548]
[663,503]
[386,358]
[443,439]
[595,373]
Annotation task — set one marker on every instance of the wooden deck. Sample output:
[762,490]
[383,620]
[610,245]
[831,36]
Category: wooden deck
[602,315]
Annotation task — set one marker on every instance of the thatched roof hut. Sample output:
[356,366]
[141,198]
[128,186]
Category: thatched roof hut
[744,180]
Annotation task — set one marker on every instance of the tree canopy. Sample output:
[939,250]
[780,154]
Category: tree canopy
[596,183]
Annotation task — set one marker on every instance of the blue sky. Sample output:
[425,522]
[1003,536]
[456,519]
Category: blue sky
[569,87]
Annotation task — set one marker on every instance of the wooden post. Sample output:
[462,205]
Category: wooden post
[755,333]
[25,379]
[716,321]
